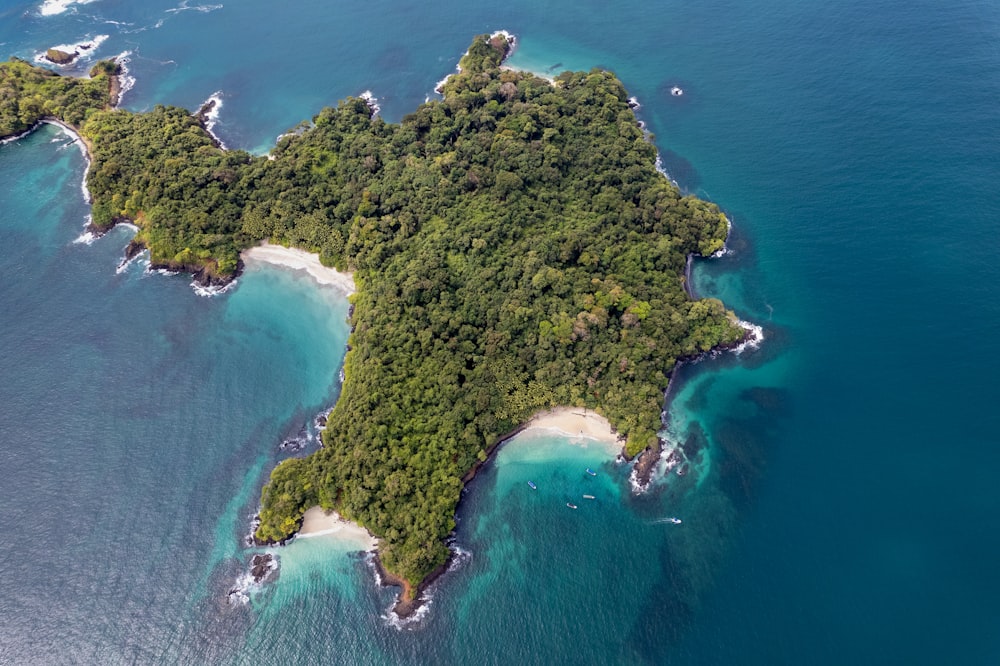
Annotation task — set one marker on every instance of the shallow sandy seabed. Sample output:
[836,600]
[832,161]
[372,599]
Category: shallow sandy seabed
[577,422]
[318,523]
[300,260]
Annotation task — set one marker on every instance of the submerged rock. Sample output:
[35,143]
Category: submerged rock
[262,568]
[297,442]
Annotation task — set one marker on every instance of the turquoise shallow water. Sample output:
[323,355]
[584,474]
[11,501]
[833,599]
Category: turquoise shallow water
[839,504]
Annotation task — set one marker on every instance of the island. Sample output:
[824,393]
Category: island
[513,246]
[58,57]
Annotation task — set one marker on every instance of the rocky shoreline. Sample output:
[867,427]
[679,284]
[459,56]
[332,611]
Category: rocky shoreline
[206,117]
[410,599]
[200,274]
[262,568]
[646,461]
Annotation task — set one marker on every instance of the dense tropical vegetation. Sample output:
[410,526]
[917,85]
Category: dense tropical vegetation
[28,94]
[513,245]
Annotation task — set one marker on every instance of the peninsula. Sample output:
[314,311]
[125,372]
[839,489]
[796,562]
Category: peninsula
[513,248]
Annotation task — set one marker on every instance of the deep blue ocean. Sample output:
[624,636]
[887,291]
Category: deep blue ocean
[841,502]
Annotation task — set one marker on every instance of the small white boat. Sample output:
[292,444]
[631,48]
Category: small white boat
[588,497]
[531,484]
[675,521]
[676,91]
[572,506]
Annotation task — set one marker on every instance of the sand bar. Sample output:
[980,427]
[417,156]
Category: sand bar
[316,522]
[300,260]
[576,422]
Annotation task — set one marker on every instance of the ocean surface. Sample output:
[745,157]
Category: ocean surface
[839,501]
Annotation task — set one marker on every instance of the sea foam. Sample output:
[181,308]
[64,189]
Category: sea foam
[185,6]
[53,7]
[390,617]
[84,49]
[725,246]
[86,238]
[372,102]
[246,582]
[211,118]
[212,290]
[755,336]
[125,79]
[71,133]
[125,263]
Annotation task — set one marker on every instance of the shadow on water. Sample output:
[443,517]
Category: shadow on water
[737,430]
[745,443]
[680,170]
[393,58]
[684,570]
[738,280]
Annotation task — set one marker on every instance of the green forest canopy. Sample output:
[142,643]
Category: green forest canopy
[513,245]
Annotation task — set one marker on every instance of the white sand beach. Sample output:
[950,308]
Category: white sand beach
[300,260]
[576,422]
[316,522]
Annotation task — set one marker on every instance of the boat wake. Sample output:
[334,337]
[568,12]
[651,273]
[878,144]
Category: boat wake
[669,520]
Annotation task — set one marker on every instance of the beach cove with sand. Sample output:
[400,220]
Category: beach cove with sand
[300,260]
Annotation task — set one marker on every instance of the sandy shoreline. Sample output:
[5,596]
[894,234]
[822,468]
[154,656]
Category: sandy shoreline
[316,522]
[577,422]
[82,143]
[294,259]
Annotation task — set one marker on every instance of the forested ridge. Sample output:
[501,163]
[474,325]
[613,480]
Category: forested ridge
[29,93]
[513,246]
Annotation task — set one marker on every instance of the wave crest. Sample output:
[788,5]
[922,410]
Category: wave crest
[53,7]
[84,50]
